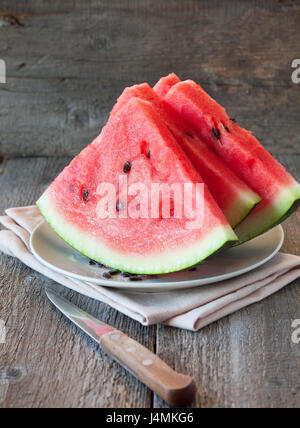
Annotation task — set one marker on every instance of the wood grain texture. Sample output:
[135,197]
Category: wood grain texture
[68,62]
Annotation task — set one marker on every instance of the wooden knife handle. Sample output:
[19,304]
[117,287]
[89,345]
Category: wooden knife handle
[176,389]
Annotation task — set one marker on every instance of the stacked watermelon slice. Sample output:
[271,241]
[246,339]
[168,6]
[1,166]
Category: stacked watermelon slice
[174,135]
[239,149]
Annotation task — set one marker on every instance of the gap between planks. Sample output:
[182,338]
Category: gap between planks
[2,164]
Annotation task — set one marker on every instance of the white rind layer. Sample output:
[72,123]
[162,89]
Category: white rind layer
[259,222]
[241,207]
[156,263]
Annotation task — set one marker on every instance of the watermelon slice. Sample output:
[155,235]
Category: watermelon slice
[135,144]
[242,152]
[233,196]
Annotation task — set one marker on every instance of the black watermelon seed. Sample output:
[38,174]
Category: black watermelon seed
[119,206]
[114,272]
[85,195]
[227,129]
[126,274]
[149,155]
[106,275]
[100,265]
[92,262]
[127,167]
[192,269]
[189,135]
[135,278]
[233,120]
[216,133]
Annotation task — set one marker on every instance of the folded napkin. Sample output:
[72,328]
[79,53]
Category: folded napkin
[190,309]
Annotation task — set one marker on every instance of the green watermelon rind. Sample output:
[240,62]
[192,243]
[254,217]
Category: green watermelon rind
[153,264]
[250,201]
[285,204]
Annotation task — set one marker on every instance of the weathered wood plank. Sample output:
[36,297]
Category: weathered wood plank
[46,361]
[244,360]
[68,62]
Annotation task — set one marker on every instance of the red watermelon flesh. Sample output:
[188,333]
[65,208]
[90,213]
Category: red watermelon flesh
[242,152]
[164,84]
[233,196]
[139,245]
[144,92]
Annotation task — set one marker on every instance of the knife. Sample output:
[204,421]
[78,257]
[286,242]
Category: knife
[176,389]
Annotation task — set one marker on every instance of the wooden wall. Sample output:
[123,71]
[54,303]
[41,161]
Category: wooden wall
[69,60]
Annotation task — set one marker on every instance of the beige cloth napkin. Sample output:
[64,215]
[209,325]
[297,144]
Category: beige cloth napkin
[190,309]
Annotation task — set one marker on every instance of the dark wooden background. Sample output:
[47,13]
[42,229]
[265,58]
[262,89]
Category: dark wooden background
[67,62]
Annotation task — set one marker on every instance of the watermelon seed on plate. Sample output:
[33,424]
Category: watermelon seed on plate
[127,167]
[114,272]
[100,265]
[85,195]
[106,275]
[126,274]
[135,278]
[92,262]
[192,269]
[216,133]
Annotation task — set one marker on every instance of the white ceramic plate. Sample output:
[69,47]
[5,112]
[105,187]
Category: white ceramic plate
[54,253]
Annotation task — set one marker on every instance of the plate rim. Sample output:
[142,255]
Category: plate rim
[153,287]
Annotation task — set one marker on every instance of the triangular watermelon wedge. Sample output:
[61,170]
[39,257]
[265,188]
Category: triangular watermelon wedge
[233,196]
[136,145]
[242,152]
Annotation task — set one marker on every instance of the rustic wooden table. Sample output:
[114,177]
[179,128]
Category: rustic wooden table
[66,64]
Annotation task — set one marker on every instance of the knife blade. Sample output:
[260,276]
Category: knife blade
[176,389]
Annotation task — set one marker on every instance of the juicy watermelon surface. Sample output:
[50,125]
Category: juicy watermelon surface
[137,136]
[233,196]
[242,152]
[164,84]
